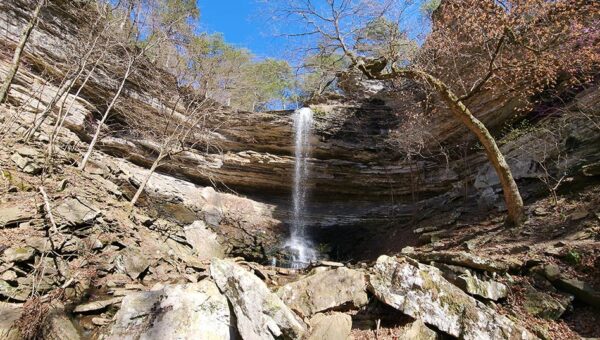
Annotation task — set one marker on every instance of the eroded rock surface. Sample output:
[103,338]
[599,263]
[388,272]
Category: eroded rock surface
[325,290]
[421,292]
[191,311]
[334,326]
[260,313]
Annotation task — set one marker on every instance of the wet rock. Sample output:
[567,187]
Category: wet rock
[75,212]
[335,326]
[12,215]
[421,292]
[204,241]
[96,305]
[260,314]
[191,311]
[542,305]
[9,314]
[325,290]
[59,327]
[417,331]
[461,259]
[18,254]
[132,262]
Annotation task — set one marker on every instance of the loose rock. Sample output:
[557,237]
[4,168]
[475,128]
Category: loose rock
[335,326]
[204,241]
[9,313]
[191,311]
[542,305]
[421,292]
[461,259]
[325,290]
[96,305]
[18,254]
[260,314]
[76,213]
[132,262]
[417,331]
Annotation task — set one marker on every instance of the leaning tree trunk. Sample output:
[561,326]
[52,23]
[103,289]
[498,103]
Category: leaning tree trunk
[14,67]
[88,153]
[512,197]
[61,120]
[66,86]
[146,179]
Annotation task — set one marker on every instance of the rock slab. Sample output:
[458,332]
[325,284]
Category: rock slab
[204,241]
[191,311]
[325,290]
[260,313]
[421,292]
[335,326]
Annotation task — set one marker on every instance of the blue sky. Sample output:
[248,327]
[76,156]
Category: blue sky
[240,22]
[242,25]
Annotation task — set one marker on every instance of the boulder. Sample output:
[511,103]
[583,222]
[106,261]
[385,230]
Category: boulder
[416,330]
[543,305]
[421,292]
[204,241]
[190,311]
[325,290]
[76,213]
[335,326]
[460,258]
[58,326]
[184,253]
[131,261]
[13,214]
[10,313]
[487,289]
[24,159]
[581,290]
[473,283]
[14,293]
[18,254]
[260,313]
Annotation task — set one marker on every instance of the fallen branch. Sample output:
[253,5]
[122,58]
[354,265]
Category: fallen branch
[48,210]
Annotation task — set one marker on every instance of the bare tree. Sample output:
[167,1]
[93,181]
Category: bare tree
[515,44]
[14,67]
[95,38]
[150,21]
[176,128]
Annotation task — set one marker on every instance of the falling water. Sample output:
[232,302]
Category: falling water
[300,245]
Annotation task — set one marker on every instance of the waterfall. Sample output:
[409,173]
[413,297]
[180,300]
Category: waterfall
[299,243]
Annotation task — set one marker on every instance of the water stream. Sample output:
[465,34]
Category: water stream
[299,244]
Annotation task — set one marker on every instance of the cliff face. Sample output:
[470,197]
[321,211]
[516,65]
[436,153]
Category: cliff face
[359,177]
